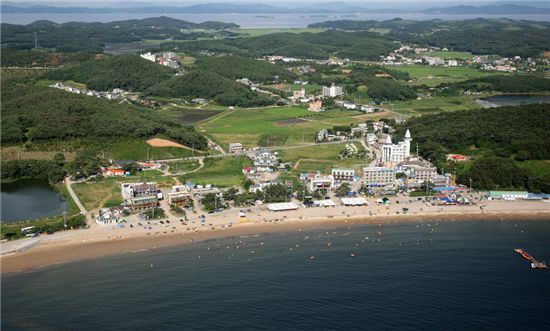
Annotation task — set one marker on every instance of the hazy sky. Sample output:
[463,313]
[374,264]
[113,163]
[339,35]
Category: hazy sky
[271,2]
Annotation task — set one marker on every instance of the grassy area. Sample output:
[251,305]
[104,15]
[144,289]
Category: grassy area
[433,76]
[48,225]
[434,105]
[221,172]
[283,126]
[539,168]
[261,32]
[183,166]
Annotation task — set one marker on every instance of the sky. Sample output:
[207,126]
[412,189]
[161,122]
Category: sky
[270,2]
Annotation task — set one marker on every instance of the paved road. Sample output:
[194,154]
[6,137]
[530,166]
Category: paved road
[69,183]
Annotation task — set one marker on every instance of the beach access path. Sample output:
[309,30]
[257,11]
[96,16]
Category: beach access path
[68,184]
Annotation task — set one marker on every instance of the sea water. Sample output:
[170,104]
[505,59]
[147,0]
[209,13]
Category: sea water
[424,276]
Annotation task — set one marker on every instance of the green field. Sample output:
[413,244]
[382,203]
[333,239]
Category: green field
[309,88]
[183,166]
[221,172]
[433,105]
[283,126]
[433,76]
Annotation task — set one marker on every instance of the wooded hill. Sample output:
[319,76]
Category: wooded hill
[77,36]
[129,72]
[234,67]
[507,133]
[361,45]
[508,84]
[503,37]
[209,85]
[32,113]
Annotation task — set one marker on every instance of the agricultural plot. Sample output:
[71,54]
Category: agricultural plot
[286,126]
[308,88]
[137,150]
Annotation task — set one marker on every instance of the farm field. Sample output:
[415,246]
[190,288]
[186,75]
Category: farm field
[137,150]
[433,76]
[284,126]
[309,88]
[222,172]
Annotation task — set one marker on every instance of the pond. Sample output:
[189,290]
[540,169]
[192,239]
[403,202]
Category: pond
[513,100]
[29,199]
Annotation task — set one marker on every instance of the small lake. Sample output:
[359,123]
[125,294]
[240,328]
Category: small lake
[513,100]
[29,199]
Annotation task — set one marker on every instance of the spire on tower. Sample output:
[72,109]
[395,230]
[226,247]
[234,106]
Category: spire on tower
[408,134]
[388,140]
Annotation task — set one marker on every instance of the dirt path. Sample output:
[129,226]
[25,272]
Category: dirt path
[68,184]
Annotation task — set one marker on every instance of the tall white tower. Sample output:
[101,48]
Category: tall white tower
[387,150]
[408,140]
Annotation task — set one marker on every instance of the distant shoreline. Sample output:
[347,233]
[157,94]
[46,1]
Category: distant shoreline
[47,254]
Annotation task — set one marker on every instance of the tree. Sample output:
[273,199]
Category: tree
[343,190]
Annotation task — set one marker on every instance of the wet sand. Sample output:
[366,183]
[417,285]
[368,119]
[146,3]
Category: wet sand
[77,245]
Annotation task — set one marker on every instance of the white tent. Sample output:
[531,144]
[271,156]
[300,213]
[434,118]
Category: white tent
[354,201]
[282,206]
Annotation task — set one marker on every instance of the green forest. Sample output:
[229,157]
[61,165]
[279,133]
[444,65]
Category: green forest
[129,72]
[234,67]
[32,113]
[508,84]
[209,85]
[83,36]
[480,36]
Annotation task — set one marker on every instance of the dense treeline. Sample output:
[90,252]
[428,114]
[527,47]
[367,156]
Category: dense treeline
[480,36]
[354,45]
[32,113]
[129,72]
[51,171]
[234,67]
[509,133]
[508,84]
[78,36]
[14,58]
[209,85]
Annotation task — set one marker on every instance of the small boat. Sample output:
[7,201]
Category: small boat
[534,263]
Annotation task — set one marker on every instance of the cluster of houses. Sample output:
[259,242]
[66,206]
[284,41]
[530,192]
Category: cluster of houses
[167,59]
[117,168]
[114,94]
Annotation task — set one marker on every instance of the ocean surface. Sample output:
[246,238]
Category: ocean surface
[416,276]
[255,21]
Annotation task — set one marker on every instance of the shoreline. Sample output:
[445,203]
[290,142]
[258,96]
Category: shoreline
[48,253]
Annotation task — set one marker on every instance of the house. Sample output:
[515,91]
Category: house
[367,109]
[318,182]
[349,105]
[452,63]
[299,94]
[110,172]
[200,101]
[316,106]
[235,147]
[322,135]
[343,175]
[371,138]
[261,186]
[107,217]
[180,195]
[201,191]
[360,129]
[265,158]
[148,56]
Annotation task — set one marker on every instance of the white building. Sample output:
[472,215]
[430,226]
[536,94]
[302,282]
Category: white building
[332,91]
[148,56]
[397,153]
[180,195]
[452,63]
[346,175]
[318,182]
[379,177]
[235,147]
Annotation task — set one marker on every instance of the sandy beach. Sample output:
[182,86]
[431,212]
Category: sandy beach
[99,241]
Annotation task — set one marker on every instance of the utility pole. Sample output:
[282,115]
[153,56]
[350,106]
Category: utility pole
[65,214]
